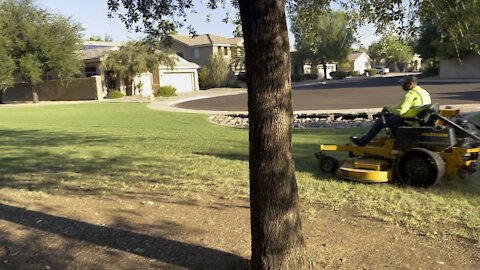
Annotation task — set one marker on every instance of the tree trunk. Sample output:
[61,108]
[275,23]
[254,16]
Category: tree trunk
[277,240]
[128,87]
[2,92]
[325,71]
[34,94]
[314,68]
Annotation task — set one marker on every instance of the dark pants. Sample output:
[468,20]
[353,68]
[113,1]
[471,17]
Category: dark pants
[392,122]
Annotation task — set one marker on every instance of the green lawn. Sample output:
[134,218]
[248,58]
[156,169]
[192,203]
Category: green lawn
[107,148]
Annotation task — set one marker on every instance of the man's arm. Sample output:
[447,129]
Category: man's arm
[404,105]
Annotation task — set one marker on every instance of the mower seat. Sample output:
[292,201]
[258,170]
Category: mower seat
[424,118]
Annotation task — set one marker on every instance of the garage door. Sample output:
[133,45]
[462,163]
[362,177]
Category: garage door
[182,81]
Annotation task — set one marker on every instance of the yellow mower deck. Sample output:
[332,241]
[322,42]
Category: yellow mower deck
[356,170]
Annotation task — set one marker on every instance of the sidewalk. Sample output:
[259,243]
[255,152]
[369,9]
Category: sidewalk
[168,103]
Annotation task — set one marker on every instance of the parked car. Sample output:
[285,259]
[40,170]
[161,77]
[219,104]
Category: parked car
[382,70]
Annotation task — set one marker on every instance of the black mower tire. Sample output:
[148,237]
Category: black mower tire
[328,164]
[420,167]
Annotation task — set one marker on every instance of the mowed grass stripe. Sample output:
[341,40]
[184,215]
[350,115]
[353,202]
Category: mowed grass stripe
[105,148]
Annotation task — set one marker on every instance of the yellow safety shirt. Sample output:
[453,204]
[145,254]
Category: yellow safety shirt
[411,103]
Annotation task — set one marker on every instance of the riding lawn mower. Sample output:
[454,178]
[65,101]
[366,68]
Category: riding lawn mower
[439,144]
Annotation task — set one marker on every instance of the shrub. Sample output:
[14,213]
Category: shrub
[311,76]
[430,71]
[165,91]
[354,73]
[338,75]
[371,71]
[215,73]
[115,94]
[297,77]
[242,76]
[236,84]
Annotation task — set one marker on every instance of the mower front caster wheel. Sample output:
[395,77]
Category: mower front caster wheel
[328,164]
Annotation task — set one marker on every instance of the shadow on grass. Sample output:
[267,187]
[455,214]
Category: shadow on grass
[39,158]
[153,247]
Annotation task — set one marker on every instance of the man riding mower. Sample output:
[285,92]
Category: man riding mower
[420,149]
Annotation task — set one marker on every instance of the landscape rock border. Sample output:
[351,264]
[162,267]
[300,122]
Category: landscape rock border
[319,120]
[301,121]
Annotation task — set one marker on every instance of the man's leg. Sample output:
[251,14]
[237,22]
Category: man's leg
[392,122]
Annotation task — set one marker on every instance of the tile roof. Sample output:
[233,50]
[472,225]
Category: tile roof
[96,53]
[236,40]
[354,55]
[203,40]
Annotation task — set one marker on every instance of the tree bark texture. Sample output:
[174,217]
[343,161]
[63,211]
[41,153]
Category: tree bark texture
[277,240]
[34,94]
[325,71]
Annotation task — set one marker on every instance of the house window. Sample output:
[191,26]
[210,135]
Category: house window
[180,54]
[194,53]
[225,51]
[90,71]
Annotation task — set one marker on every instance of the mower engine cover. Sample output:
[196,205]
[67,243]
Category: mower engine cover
[433,136]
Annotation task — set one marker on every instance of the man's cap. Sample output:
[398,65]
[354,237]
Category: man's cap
[408,79]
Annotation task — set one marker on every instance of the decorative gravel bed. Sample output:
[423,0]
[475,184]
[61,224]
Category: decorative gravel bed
[333,120]
[336,120]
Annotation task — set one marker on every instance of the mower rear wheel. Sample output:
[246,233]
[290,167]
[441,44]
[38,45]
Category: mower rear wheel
[420,167]
[328,164]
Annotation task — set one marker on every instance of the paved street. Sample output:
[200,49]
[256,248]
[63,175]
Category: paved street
[363,93]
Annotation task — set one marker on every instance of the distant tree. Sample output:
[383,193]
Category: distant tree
[322,37]
[134,58]
[215,73]
[456,21]
[392,49]
[40,42]
[7,65]
[106,37]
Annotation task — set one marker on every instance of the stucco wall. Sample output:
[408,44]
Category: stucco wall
[204,53]
[469,68]
[361,63]
[77,89]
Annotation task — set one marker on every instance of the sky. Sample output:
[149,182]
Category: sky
[92,15]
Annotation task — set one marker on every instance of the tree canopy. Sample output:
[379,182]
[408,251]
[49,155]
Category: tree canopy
[323,37]
[7,66]
[39,42]
[456,20]
[392,49]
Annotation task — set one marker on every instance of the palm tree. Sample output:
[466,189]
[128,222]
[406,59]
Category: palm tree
[237,63]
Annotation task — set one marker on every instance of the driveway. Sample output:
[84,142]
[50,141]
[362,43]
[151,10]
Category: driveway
[350,94]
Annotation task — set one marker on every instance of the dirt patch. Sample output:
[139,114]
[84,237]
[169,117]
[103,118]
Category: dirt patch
[152,230]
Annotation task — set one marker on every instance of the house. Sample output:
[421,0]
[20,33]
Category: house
[183,76]
[359,61]
[468,67]
[307,69]
[200,48]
